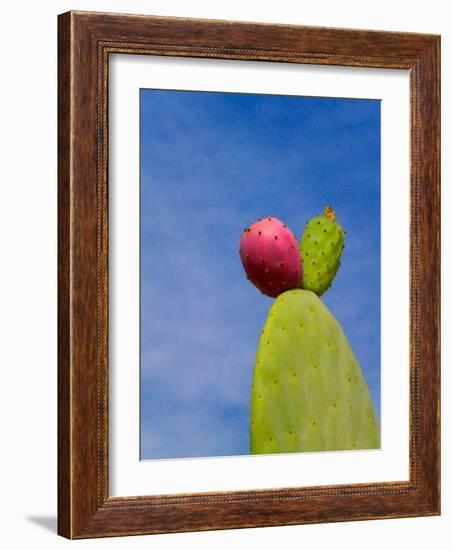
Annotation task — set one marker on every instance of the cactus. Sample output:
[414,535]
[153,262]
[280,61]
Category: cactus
[321,248]
[308,393]
[270,256]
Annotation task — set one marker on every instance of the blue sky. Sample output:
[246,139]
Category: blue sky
[211,164]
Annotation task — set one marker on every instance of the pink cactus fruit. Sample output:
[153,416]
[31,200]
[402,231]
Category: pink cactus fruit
[270,256]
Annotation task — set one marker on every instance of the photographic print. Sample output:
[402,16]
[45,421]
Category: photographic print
[259,274]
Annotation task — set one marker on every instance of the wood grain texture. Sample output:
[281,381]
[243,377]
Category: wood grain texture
[84,506]
[64,295]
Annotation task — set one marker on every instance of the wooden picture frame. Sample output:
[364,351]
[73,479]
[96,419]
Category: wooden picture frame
[85,42]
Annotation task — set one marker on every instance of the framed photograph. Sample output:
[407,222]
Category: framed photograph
[249,275]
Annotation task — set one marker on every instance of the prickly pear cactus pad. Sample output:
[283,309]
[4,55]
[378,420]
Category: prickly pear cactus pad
[321,248]
[308,393]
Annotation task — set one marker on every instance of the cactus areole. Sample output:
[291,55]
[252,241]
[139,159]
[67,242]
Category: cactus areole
[270,256]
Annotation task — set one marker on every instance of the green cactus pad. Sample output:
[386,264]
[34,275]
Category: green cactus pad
[308,392]
[321,249]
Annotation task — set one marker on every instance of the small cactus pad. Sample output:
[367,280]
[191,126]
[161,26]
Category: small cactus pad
[270,256]
[321,249]
[308,393]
